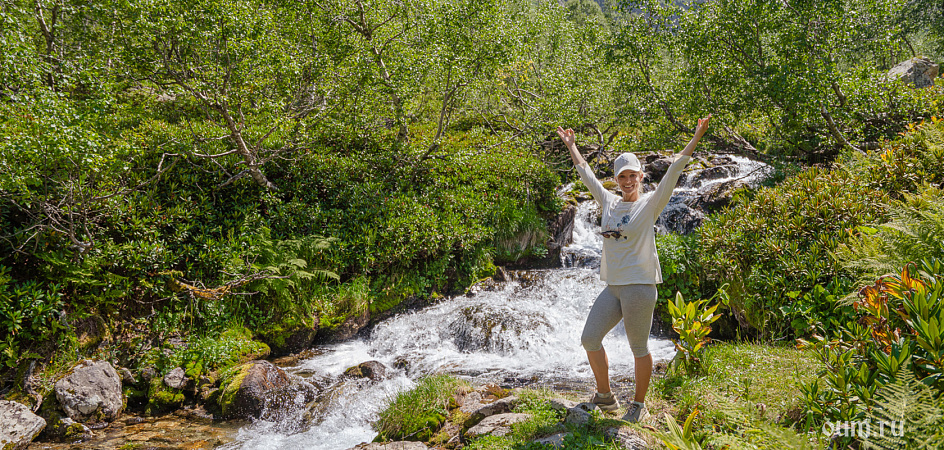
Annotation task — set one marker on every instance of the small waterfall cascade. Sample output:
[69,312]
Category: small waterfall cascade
[525,331]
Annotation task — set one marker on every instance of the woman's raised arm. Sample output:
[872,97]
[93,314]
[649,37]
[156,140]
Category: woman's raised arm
[568,137]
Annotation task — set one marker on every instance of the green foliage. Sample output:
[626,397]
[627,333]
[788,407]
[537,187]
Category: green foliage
[906,415]
[896,334]
[418,413]
[680,437]
[29,312]
[914,232]
[807,75]
[693,325]
[678,258]
[209,354]
[775,246]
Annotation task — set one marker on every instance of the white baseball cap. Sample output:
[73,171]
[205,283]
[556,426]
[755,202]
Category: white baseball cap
[626,161]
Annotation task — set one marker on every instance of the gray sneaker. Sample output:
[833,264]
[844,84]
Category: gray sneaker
[637,413]
[605,403]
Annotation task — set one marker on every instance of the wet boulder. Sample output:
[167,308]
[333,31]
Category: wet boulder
[91,392]
[711,174]
[244,390]
[493,328]
[716,196]
[18,425]
[373,370]
[679,218]
[920,72]
[351,326]
[283,403]
[656,166]
[286,340]
[561,230]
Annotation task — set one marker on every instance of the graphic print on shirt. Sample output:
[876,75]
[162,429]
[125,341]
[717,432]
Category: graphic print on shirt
[619,232]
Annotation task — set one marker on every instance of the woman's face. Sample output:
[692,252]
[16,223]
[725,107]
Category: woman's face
[629,181]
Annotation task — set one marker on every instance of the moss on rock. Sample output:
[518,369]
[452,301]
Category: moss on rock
[162,399]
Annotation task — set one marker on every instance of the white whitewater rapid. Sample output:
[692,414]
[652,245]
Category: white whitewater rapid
[525,331]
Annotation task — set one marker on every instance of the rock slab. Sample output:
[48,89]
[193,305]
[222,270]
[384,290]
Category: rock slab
[91,392]
[556,440]
[401,445]
[918,71]
[626,438]
[497,425]
[18,425]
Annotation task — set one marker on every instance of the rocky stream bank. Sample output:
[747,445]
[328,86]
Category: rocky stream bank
[99,404]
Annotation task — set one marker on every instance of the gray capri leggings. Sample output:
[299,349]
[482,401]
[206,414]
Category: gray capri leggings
[634,303]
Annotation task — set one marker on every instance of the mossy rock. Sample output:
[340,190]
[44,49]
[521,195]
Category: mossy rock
[162,399]
[429,424]
[287,339]
[243,389]
[91,331]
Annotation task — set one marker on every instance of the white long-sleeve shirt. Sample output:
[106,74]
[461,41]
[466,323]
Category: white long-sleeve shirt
[632,258]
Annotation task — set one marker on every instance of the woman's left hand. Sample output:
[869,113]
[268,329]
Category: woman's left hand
[702,127]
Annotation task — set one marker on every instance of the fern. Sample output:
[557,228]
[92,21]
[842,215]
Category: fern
[288,264]
[910,406]
[915,232]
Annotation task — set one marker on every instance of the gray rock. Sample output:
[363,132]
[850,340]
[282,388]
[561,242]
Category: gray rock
[920,72]
[626,438]
[656,168]
[148,374]
[176,378]
[471,402]
[126,376]
[245,394]
[713,173]
[18,425]
[497,425]
[92,392]
[500,406]
[493,328]
[577,416]
[561,230]
[679,218]
[557,440]
[560,404]
[401,445]
[374,370]
[716,196]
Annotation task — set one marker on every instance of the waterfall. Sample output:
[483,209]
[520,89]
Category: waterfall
[526,329]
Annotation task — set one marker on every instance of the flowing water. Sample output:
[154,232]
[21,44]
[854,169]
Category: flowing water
[526,331]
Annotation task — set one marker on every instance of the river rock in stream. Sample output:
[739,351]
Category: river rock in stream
[91,392]
[244,393]
[493,328]
[18,425]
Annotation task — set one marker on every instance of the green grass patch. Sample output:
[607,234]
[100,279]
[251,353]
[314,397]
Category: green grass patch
[762,377]
[418,413]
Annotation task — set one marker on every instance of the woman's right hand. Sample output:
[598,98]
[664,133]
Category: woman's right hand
[567,136]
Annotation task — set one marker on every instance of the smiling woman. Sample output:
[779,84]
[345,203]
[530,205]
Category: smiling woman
[630,265]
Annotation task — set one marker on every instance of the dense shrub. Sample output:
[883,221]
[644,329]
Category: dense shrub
[872,361]
[776,245]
